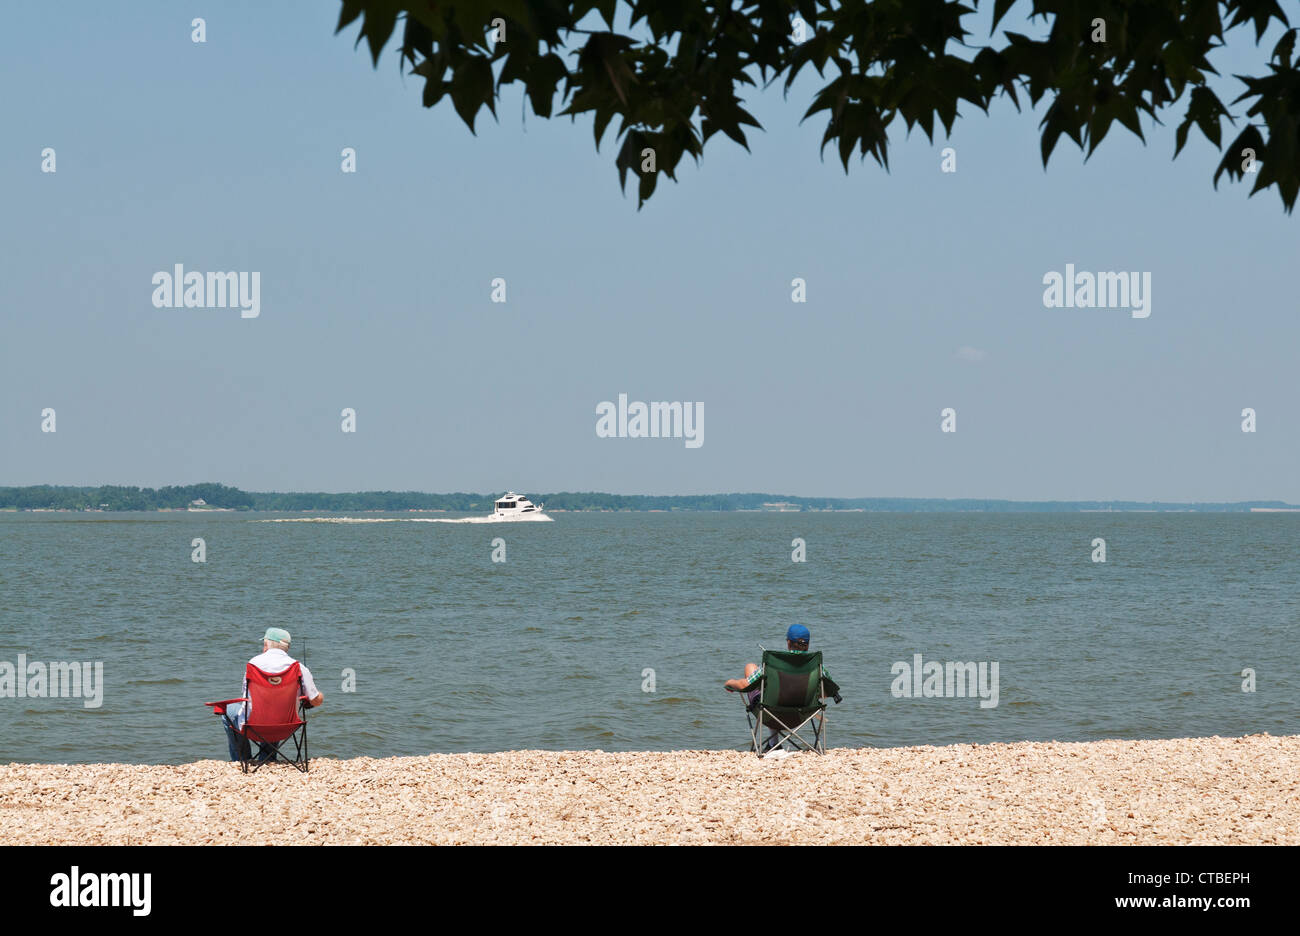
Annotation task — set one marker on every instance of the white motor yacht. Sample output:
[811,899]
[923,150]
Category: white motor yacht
[516,507]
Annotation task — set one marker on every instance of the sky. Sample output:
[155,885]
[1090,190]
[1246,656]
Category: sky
[924,288]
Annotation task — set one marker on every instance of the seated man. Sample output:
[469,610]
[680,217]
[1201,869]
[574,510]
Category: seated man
[797,638]
[273,659]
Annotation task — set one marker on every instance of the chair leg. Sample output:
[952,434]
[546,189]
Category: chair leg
[298,761]
[753,732]
[792,735]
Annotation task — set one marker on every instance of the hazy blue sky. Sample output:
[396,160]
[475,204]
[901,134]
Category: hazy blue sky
[376,296]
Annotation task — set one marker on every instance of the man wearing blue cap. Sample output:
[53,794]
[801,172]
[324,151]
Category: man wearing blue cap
[273,659]
[796,641]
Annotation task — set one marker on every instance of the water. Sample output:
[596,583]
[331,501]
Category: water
[453,652]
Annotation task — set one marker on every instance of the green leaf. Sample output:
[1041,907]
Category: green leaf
[1000,8]
[1180,136]
[471,88]
[607,10]
[1205,110]
[1128,116]
[351,10]
[1284,49]
[629,156]
[603,116]
[543,78]
[377,26]
[1249,138]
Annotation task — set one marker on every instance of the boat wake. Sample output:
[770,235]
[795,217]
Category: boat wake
[511,508]
[378,520]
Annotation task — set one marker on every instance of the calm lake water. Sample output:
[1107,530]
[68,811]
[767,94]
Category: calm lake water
[453,652]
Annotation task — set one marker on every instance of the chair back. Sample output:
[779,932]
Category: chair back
[274,701]
[791,680]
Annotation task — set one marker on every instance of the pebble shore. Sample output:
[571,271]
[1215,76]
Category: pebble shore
[1182,791]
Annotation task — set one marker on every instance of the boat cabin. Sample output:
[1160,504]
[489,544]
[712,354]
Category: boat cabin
[514,502]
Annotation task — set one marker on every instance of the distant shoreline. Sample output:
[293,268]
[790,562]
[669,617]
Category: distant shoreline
[212,497]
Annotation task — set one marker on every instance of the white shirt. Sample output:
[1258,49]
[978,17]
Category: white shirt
[272,661]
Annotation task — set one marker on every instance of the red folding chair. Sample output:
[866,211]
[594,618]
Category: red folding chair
[275,712]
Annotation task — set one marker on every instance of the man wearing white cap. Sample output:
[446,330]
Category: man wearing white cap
[273,659]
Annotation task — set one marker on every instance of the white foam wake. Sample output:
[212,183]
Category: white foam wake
[378,520]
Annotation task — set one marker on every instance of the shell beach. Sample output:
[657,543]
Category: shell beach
[1180,791]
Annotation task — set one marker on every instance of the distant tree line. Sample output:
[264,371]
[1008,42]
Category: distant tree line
[114,497]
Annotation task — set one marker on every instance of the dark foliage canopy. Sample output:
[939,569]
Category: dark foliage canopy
[675,78]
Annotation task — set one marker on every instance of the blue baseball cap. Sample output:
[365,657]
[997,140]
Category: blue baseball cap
[797,633]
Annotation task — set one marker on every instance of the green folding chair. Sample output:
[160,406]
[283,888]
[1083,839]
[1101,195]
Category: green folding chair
[791,698]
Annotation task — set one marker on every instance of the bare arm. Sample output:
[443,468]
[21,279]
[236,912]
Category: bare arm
[740,685]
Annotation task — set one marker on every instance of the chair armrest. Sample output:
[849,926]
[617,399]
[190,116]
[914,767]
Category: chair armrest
[219,708]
